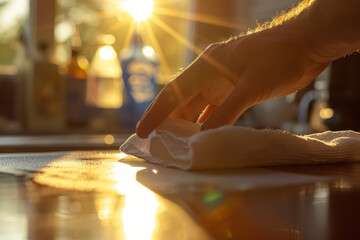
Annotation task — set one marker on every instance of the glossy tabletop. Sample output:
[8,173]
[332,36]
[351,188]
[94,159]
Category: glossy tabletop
[109,195]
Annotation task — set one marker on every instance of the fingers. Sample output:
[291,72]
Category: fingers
[226,114]
[174,94]
[147,109]
[178,92]
[191,110]
[160,108]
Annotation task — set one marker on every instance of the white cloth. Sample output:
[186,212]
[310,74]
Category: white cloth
[178,143]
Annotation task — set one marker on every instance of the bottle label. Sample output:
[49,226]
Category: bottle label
[139,79]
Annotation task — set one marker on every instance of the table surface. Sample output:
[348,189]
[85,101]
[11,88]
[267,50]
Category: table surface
[113,196]
[16,144]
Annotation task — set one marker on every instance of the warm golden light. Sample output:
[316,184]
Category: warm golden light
[140,10]
[199,17]
[148,51]
[83,62]
[129,34]
[122,155]
[326,113]
[108,39]
[105,207]
[109,139]
[107,53]
[110,176]
[140,210]
[163,61]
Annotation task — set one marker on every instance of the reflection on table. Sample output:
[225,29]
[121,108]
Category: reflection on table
[109,195]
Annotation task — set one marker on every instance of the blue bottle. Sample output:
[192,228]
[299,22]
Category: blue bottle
[139,64]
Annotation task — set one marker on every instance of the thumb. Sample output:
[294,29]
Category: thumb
[231,109]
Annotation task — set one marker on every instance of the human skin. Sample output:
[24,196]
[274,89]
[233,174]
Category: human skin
[274,60]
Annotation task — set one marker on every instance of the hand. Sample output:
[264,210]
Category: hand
[228,78]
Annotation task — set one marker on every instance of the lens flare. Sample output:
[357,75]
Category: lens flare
[140,10]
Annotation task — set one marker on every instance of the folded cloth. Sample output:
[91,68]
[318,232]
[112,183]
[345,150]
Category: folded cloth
[178,143]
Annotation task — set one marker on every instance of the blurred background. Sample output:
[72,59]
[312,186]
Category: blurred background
[93,66]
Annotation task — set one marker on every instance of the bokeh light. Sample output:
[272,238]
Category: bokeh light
[148,51]
[107,53]
[109,139]
[83,62]
[326,113]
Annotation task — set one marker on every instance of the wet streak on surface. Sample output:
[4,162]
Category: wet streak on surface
[103,199]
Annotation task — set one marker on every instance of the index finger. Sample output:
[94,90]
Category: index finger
[168,99]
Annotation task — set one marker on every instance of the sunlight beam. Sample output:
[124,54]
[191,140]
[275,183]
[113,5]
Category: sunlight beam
[91,16]
[129,34]
[175,34]
[203,18]
[156,45]
[215,63]
[116,26]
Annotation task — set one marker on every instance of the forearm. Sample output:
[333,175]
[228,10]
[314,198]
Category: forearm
[325,29]
[334,27]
